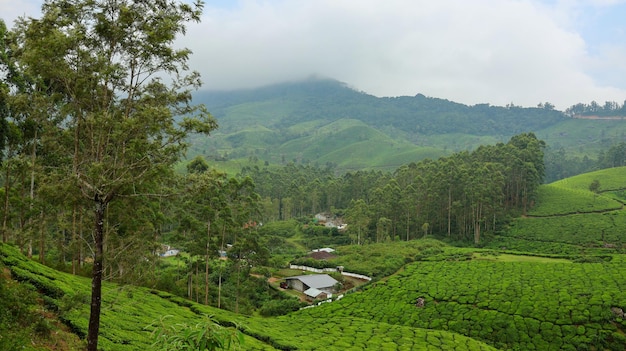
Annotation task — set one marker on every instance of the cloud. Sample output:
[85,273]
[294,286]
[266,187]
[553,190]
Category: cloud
[495,51]
[504,51]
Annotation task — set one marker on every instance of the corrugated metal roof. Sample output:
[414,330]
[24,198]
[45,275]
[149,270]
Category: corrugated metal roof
[317,281]
[312,292]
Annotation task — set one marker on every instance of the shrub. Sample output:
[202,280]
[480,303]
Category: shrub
[280,307]
[204,336]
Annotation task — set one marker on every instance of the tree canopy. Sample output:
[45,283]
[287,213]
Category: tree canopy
[111,96]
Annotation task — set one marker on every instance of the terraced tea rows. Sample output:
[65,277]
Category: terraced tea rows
[129,311]
[510,305]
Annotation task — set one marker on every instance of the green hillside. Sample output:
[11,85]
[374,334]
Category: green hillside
[583,136]
[129,313]
[291,119]
[570,218]
[510,305]
[611,179]
[554,280]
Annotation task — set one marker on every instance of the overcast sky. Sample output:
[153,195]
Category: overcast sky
[479,51]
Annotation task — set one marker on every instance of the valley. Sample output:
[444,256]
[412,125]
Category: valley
[550,282]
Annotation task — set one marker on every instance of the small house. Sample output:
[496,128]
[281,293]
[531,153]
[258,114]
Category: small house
[321,282]
[316,294]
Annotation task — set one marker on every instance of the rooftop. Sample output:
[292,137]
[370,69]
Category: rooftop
[317,281]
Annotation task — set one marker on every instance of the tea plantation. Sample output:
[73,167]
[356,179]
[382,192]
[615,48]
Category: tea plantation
[554,280]
[510,305]
[129,312]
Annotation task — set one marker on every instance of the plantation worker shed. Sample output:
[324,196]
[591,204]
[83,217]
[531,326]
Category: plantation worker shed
[312,294]
[320,282]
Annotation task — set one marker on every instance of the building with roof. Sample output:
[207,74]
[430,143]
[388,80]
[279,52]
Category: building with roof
[313,285]
[315,294]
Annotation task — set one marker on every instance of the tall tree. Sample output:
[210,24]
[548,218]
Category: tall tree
[357,217]
[123,123]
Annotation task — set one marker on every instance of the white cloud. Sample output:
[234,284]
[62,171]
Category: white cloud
[496,51]
[480,51]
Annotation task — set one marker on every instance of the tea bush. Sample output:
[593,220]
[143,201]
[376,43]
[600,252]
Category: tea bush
[510,305]
[556,200]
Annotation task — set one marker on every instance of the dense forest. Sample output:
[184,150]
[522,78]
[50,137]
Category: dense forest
[461,195]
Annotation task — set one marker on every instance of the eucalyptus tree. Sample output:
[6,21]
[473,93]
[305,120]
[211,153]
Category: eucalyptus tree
[124,92]
[206,202]
[358,218]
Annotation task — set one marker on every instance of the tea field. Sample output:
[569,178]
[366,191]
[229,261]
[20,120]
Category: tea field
[610,179]
[510,305]
[568,218]
[554,279]
[130,312]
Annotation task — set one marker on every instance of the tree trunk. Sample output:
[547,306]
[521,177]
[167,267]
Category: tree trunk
[206,266]
[197,283]
[449,211]
[408,222]
[219,288]
[238,282]
[31,196]
[219,291]
[42,239]
[7,189]
[476,232]
[96,280]
[74,242]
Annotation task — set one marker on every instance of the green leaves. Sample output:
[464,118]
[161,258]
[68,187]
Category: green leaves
[207,335]
[509,305]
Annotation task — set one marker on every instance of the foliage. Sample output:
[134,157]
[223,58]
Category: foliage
[280,307]
[204,336]
[284,229]
[382,259]
[462,196]
[572,220]
[609,179]
[16,316]
[553,199]
[28,319]
[510,305]
[131,309]
[95,70]
[592,229]
[609,108]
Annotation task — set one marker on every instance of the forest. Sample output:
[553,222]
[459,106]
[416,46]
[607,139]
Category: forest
[101,176]
[460,196]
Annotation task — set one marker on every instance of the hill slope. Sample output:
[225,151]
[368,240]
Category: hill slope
[570,218]
[129,311]
[282,123]
[472,298]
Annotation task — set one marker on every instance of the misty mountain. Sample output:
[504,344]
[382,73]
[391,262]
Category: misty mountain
[325,121]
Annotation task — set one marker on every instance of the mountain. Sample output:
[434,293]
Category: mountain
[325,122]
